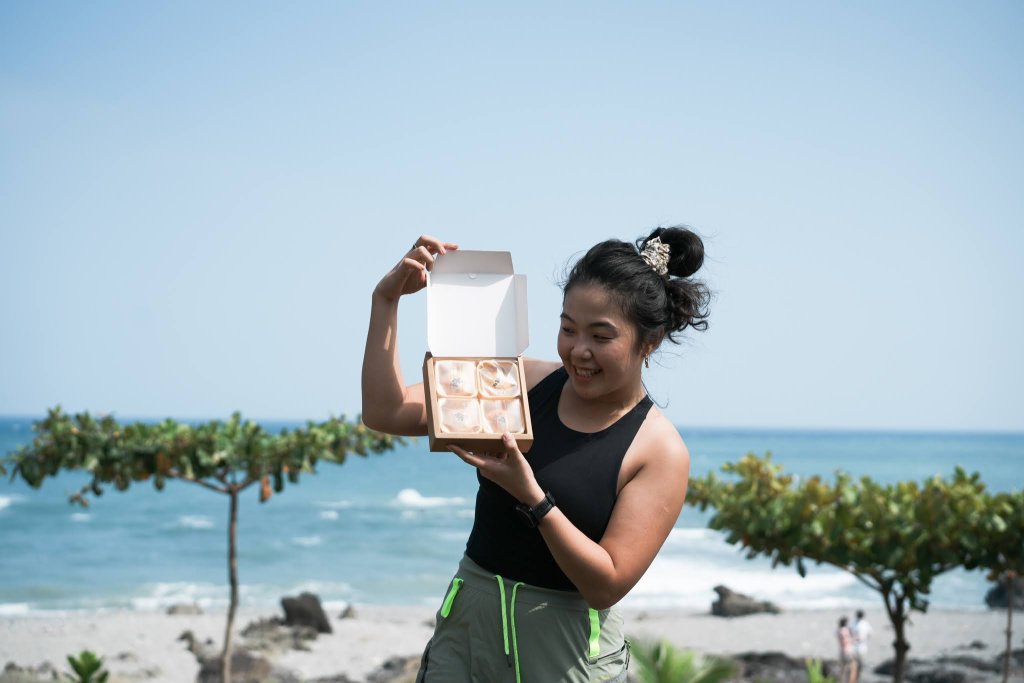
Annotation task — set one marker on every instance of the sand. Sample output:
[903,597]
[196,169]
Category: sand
[360,645]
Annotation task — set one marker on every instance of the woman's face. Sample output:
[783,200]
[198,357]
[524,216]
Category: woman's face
[598,345]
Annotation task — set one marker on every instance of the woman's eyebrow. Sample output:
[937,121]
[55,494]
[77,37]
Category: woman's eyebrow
[599,323]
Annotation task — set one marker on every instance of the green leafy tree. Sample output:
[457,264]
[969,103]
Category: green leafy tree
[661,662]
[223,457]
[87,667]
[998,546]
[893,538]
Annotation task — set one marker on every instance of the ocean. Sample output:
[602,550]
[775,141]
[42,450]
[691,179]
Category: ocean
[390,529]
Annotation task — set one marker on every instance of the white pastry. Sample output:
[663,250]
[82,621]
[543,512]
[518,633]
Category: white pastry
[459,415]
[502,415]
[455,378]
[498,378]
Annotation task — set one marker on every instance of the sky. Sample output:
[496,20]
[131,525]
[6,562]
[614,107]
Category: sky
[197,199]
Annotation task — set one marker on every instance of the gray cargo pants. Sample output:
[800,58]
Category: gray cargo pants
[494,630]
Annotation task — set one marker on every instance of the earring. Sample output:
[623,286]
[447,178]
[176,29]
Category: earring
[647,361]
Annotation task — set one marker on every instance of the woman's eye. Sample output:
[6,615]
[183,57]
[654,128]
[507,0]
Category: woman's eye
[567,330]
[602,339]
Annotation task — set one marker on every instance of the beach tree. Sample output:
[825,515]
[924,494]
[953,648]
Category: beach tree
[223,457]
[997,545]
[894,538]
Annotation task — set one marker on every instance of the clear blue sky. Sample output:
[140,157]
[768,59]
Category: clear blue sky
[196,199]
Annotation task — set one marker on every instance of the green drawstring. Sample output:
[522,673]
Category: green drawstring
[504,618]
[514,655]
[446,606]
[595,634]
[515,647]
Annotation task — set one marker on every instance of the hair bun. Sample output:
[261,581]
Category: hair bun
[686,250]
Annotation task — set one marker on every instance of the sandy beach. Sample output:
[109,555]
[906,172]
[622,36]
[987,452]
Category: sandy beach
[144,645]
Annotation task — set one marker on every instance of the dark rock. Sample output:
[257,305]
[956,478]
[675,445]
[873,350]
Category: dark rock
[305,610]
[246,667]
[273,637]
[13,673]
[348,613]
[945,669]
[396,670]
[769,666]
[732,604]
[997,597]
[184,608]
[969,662]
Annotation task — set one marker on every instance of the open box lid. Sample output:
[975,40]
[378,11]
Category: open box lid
[476,305]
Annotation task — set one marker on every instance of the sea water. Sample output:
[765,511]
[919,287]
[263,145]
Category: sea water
[390,529]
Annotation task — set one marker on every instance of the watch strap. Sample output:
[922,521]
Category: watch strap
[533,515]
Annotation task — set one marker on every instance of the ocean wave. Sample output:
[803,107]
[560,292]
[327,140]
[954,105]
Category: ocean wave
[411,498]
[195,522]
[7,501]
[691,583]
[307,541]
[13,609]
[80,516]
[328,514]
[161,595]
[335,505]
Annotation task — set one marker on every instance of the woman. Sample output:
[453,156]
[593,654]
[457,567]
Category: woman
[847,661]
[562,534]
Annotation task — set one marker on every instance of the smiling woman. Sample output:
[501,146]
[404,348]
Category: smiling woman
[561,535]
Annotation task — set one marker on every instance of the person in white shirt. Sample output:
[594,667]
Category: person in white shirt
[861,632]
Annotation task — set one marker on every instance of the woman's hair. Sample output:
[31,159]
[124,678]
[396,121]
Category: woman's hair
[659,305]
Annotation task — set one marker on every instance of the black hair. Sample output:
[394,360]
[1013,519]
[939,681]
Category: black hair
[660,306]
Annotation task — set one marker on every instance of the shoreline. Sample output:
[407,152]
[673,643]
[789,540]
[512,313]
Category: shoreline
[145,646]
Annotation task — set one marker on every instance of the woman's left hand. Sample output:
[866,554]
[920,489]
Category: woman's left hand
[507,469]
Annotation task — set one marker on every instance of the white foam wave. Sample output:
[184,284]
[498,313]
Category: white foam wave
[80,516]
[7,501]
[195,522]
[328,514]
[411,498]
[163,595]
[13,609]
[690,583]
[681,535]
[335,504]
[307,541]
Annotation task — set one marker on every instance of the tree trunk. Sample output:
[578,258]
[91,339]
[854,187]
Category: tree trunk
[225,657]
[1009,624]
[900,644]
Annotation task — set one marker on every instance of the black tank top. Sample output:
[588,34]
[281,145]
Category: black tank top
[580,470]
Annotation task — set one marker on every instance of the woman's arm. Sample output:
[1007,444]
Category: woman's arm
[645,512]
[388,404]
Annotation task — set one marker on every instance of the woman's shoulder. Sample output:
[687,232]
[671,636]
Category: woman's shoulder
[659,439]
[537,370]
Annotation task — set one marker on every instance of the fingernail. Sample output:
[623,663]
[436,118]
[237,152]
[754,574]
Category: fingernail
[507,437]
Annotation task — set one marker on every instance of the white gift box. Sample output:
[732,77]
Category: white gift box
[476,316]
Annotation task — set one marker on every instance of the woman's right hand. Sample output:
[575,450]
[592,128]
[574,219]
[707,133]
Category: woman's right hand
[410,274]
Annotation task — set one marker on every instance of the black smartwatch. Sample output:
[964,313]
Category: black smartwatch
[531,516]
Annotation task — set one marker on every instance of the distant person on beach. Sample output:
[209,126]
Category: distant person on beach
[861,633]
[561,534]
[847,658]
